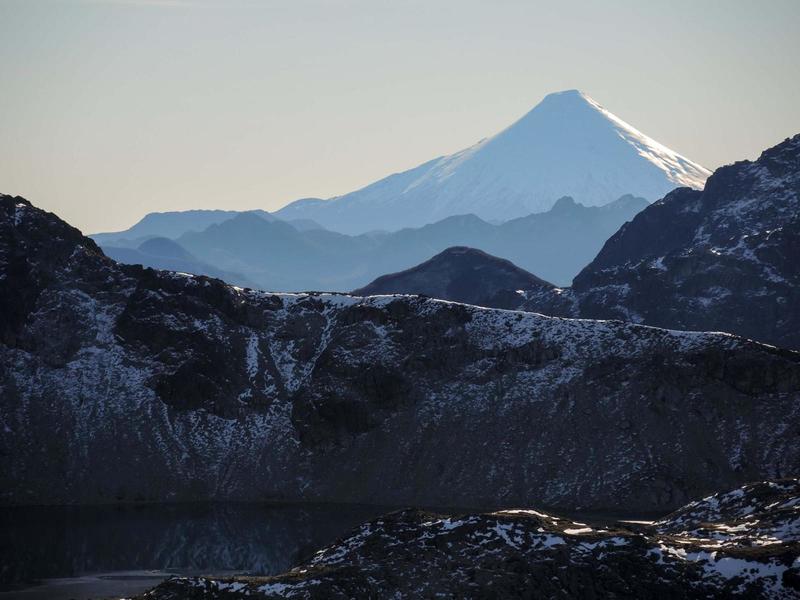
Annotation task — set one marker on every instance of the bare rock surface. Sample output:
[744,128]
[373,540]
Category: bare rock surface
[119,383]
[740,544]
[723,259]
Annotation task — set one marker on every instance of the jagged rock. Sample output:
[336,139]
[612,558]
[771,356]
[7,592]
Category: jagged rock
[742,544]
[119,383]
[725,258]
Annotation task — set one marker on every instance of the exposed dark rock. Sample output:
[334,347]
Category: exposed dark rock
[722,259]
[743,544]
[122,383]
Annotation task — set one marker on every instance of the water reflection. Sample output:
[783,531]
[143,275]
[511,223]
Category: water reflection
[47,542]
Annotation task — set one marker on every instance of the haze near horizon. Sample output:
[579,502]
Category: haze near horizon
[116,108]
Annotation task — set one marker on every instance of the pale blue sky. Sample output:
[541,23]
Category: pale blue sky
[114,108]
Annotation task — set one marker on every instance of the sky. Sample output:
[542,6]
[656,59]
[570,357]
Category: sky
[110,109]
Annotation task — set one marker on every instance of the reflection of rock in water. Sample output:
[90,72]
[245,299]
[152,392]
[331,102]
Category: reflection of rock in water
[742,543]
[43,542]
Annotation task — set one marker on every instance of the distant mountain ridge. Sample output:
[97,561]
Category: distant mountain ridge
[167,254]
[463,275]
[274,255]
[173,224]
[568,145]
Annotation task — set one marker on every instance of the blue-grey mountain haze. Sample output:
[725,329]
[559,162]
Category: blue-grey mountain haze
[115,108]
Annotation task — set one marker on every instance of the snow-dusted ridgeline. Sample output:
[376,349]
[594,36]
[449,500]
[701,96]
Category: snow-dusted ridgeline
[740,544]
[123,383]
[724,258]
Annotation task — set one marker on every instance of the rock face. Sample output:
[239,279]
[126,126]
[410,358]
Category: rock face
[463,275]
[568,145]
[124,383]
[742,544]
[726,258]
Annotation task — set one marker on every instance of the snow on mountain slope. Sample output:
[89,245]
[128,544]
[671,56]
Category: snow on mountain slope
[721,259]
[119,383]
[567,145]
[739,544]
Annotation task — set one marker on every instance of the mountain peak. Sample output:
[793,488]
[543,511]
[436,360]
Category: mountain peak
[567,145]
[566,96]
[461,274]
[164,247]
[576,135]
[567,102]
[565,93]
[564,204]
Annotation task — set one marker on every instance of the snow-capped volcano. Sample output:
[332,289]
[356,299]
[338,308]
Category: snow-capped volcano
[568,145]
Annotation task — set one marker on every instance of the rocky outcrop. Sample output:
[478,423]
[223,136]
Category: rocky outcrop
[119,383]
[721,259]
[733,545]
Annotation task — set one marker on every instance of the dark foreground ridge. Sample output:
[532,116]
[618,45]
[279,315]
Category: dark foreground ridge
[741,544]
[120,384]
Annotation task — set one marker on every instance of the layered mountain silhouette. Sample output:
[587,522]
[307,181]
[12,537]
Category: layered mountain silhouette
[568,145]
[173,224]
[275,255]
[721,259]
[164,253]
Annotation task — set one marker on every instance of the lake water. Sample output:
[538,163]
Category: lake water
[102,551]
[93,552]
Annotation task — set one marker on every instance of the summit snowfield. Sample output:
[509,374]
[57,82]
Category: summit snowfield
[568,145]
